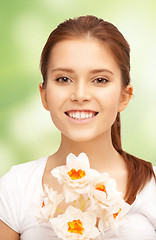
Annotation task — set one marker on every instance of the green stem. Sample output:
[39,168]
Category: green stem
[84,204]
[60,210]
[74,203]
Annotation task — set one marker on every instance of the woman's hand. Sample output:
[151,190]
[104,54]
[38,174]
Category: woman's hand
[6,233]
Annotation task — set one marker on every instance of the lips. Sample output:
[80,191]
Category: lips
[81,114]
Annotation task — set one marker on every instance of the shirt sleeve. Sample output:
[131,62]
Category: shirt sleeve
[149,201]
[9,200]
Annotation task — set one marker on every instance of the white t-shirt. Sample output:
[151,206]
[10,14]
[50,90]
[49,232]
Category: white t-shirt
[21,188]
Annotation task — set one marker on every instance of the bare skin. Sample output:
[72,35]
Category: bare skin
[6,233]
[119,173]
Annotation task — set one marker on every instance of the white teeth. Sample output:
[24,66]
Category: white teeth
[80,115]
[77,115]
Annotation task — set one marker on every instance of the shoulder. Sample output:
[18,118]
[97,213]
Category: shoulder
[17,188]
[29,166]
[150,188]
[146,201]
[21,174]
[154,168]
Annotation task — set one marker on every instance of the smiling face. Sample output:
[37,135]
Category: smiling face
[84,89]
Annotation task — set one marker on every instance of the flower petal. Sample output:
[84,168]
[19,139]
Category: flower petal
[58,172]
[70,195]
[80,162]
[83,159]
[75,224]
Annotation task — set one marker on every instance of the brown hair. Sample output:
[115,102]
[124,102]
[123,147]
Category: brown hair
[139,171]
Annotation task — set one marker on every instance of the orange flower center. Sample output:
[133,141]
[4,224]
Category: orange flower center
[101,188]
[116,214]
[43,204]
[75,227]
[76,174]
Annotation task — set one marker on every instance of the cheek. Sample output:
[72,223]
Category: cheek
[55,98]
[110,98]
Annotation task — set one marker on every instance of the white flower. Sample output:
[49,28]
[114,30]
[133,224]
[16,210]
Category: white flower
[75,225]
[76,176]
[107,207]
[48,204]
[107,203]
[103,193]
[114,217]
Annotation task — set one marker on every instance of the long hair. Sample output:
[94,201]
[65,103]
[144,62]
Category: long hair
[139,171]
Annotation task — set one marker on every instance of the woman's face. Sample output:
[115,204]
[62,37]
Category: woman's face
[84,89]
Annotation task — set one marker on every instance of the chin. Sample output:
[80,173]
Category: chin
[81,137]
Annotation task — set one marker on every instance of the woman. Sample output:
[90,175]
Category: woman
[85,66]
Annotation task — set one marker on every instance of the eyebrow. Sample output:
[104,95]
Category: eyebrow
[92,71]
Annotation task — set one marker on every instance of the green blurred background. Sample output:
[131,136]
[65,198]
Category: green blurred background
[26,130]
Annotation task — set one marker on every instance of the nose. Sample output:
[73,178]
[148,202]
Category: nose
[80,92]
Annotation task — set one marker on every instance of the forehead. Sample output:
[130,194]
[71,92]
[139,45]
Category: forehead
[86,53]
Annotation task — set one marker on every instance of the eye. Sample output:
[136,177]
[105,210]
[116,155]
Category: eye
[101,80]
[63,80]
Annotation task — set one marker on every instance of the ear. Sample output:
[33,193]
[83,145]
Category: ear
[43,96]
[126,95]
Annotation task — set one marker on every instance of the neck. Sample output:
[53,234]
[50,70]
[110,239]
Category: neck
[100,151]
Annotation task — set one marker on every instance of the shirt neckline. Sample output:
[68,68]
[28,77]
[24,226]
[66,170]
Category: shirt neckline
[43,166]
